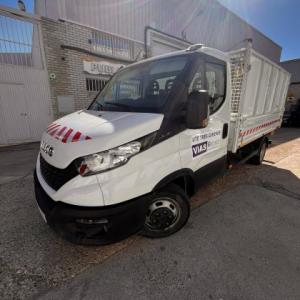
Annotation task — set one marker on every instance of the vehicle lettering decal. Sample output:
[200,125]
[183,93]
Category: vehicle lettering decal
[49,150]
[206,141]
[199,148]
[65,134]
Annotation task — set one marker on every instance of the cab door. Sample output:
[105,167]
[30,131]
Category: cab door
[204,150]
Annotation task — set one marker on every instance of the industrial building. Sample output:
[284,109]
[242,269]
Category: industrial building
[293,67]
[71,48]
[197,21]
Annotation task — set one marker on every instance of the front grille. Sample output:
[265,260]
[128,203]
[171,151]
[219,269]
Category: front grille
[55,177]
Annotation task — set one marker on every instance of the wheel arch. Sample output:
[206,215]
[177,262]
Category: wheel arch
[184,178]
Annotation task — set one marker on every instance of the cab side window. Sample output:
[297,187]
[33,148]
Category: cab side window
[216,85]
[197,83]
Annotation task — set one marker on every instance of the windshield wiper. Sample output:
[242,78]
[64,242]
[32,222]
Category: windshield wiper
[118,104]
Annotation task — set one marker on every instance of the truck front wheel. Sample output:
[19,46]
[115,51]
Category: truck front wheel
[168,211]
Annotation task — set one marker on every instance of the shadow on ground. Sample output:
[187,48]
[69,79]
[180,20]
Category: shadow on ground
[33,259]
[244,244]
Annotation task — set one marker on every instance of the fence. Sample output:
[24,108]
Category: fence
[19,42]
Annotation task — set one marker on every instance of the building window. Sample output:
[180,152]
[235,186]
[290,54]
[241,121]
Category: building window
[95,85]
[19,42]
[112,45]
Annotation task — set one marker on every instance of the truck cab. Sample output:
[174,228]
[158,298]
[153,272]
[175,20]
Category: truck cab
[131,161]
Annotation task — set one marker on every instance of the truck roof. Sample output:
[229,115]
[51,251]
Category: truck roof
[207,50]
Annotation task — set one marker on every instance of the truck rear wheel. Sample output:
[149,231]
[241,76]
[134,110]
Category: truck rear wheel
[258,159]
[168,211]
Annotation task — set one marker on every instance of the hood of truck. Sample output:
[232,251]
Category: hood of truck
[87,132]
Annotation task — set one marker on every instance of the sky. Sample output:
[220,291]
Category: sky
[277,19]
[29,4]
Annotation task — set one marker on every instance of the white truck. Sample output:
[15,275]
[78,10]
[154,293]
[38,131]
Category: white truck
[159,129]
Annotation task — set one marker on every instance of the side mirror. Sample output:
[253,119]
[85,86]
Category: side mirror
[197,110]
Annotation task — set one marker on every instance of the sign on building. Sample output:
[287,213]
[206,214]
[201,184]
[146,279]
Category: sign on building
[100,67]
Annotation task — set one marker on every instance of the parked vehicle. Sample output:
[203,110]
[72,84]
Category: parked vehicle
[291,116]
[159,129]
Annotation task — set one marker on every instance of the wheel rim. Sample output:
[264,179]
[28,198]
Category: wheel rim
[262,152]
[163,214]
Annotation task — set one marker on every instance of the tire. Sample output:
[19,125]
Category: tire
[258,159]
[168,212]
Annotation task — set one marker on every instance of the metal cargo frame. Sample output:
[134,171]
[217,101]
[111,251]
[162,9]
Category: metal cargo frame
[259,89]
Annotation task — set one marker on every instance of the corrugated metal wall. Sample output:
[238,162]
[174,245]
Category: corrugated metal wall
[293,66]
[204,21]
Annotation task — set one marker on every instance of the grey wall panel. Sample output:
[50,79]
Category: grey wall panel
[293,66]
[203,21]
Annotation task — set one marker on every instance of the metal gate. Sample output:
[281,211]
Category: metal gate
[25,106]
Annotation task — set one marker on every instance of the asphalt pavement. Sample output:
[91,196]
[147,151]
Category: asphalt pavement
[242,241]
[242,245]
[17,161]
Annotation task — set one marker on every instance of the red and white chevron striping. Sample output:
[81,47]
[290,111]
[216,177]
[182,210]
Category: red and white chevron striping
[65,134]
[257,128]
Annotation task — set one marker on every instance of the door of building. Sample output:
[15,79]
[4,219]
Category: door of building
[25,104]
[14,112]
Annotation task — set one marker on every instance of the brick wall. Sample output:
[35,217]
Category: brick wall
[67,64]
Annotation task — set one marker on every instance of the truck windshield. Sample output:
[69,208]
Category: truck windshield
[141,88]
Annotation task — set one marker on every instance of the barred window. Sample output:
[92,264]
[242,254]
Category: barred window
[112,45]
[19,42]
[95,85]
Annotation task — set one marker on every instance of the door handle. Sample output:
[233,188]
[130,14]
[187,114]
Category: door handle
[225,130]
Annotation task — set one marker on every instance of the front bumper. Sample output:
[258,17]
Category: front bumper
[92,225]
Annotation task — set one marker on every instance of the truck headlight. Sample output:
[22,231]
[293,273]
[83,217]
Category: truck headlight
[106,160]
